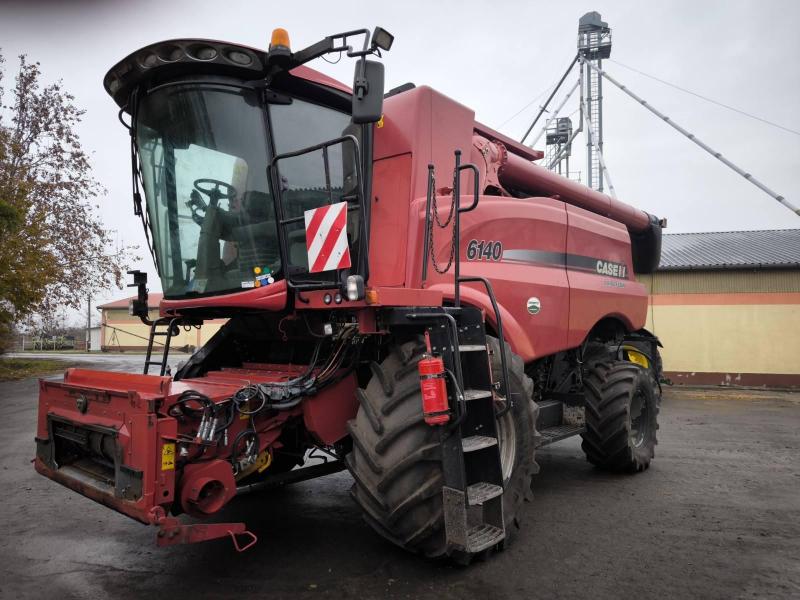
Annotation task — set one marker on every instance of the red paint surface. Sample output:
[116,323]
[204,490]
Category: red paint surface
[594,296]
[521,174]
[422,126]
[389,227]
[269,297]
[136,406]
[327,413]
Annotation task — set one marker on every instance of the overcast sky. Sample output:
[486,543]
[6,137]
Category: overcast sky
[494,57]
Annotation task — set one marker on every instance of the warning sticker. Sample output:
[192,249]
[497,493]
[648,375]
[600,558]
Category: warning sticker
[168,457]
[326,238]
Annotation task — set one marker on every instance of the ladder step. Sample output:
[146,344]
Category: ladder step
[472,348]
[481,492]
[548,404]
[557,433]
[477,442]
[476,394]
[481,537]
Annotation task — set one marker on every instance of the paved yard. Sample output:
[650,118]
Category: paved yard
[716,516]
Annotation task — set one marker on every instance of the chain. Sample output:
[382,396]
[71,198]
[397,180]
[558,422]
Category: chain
[453,241]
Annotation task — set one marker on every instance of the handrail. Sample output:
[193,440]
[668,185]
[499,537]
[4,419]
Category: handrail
[499,321]
[428,201]
[458,210]
[458,280]
[282,221]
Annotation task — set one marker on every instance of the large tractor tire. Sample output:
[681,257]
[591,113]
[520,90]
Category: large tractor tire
[396,460]
[644,348]
[516,433]
[622,404]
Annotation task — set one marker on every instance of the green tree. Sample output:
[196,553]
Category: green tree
[54,249]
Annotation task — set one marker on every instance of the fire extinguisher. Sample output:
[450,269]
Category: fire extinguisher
[435,408]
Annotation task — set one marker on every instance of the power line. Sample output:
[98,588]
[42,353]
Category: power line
[693,138]
[524,108]
[707,99]
[543,108]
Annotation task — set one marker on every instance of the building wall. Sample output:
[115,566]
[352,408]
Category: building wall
[122,332]
[727,327]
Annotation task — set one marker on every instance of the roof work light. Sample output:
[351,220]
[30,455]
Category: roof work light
[382,39]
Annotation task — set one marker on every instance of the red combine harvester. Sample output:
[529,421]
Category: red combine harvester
[365,297]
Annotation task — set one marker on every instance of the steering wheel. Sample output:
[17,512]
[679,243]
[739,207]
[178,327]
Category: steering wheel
[219,191]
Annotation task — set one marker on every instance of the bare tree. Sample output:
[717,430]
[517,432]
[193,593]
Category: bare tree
[55,250]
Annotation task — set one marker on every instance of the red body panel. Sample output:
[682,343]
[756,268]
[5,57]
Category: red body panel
[421,127]
[271,297]
[134,410]
[594,296]
[428,127]
[537,223]
[388,236]
[130,413]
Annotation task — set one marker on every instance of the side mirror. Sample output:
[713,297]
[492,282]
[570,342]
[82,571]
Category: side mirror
[368,92]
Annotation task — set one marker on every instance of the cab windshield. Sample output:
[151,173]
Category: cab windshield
[204,154]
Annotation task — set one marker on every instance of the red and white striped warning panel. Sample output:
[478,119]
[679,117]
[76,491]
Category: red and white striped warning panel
[326,238]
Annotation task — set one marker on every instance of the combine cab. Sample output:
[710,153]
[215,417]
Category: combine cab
[405,291]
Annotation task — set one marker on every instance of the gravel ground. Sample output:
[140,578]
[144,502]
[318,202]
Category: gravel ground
[716,516]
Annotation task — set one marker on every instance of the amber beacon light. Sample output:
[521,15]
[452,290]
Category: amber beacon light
[280,38]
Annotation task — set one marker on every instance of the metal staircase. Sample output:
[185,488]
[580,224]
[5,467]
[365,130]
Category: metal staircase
[473,476]
[473,490]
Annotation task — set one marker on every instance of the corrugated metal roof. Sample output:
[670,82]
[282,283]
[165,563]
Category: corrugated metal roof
[769,249]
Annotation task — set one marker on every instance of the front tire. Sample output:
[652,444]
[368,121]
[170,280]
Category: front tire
[517,427]
[396,460]
[621,416]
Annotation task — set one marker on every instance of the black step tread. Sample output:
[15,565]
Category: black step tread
[477,442]
[481,492]
[548,403]
[471,394]
[481,537]
[472,348]
[548,435]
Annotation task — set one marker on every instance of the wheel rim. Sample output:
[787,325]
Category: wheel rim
[640,419]
[507,440]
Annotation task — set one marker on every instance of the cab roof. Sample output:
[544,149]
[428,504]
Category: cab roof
[175,58]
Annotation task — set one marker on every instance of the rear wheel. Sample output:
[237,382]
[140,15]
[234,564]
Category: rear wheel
[396,460]
[621,416]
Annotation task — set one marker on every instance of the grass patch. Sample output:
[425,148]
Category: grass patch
[21,368]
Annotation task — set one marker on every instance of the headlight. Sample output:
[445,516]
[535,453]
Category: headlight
[354,287]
